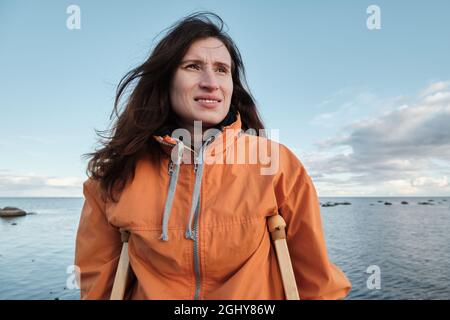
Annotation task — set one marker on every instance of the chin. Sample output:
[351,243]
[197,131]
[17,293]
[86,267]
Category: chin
[211,119]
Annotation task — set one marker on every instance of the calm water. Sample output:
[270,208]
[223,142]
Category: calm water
[409,243]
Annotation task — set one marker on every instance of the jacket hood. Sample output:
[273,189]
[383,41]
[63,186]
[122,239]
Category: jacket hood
[230,130]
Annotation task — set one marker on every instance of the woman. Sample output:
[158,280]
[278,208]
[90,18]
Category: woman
[196,213]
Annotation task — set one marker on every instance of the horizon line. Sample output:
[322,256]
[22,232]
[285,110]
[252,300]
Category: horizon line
[340,196]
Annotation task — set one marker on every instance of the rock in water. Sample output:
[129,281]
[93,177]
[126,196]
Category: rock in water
[8,212]
[329,204]
[425,203]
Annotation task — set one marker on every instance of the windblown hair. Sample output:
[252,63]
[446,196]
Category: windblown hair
[147,109]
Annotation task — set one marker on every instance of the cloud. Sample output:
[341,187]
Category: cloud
[32,185]
[427,181]
[347,109]
[435,87]
[437,98]
[401,150]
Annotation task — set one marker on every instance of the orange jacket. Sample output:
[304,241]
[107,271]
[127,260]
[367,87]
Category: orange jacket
[200,231]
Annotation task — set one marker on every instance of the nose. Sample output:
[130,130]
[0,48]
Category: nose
[209,81]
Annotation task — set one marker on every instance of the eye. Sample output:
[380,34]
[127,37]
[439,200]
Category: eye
[222,70]
[193,66]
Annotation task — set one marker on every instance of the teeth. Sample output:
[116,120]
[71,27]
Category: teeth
[207,100]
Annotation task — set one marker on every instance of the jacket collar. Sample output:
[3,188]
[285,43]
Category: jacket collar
[222,140]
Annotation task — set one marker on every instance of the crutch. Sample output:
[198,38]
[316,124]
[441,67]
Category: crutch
[123,269]
[277,225]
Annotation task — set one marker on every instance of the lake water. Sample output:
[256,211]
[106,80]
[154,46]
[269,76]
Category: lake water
[410,244]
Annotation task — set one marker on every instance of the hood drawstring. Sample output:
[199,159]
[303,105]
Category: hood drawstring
[196,194]
[173,172]
[198,167]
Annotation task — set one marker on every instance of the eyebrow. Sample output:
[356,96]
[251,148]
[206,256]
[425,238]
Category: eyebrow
[201,62]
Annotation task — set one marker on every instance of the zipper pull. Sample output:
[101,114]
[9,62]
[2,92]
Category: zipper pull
[171,169]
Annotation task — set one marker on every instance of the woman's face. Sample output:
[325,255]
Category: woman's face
[202,86]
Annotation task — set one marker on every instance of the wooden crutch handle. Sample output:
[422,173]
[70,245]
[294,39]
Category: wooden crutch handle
[276,226]
[123,268]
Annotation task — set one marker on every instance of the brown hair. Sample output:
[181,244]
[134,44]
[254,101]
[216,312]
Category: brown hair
[148,110]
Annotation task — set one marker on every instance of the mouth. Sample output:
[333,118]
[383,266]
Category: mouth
[208,102]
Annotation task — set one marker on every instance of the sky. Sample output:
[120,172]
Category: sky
[367,111]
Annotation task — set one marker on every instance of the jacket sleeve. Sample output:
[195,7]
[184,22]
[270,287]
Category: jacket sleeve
[316,276]
[98,246]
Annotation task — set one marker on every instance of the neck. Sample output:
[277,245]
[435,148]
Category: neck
[196,134]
